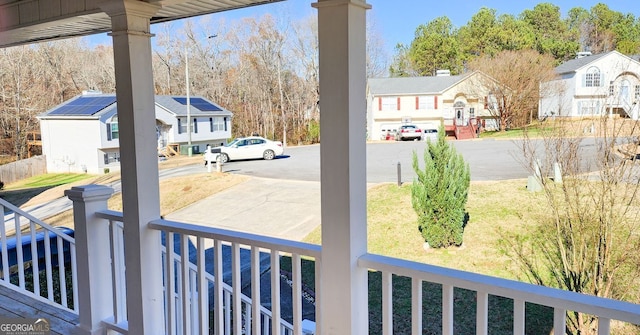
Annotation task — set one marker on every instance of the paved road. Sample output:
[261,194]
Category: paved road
[62,204]
[488,160]
[284,198]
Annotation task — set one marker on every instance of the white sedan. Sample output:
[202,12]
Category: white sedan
[251,148]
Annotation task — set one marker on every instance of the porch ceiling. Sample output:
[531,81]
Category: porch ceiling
[30,21]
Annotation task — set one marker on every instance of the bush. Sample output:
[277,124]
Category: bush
[439,195]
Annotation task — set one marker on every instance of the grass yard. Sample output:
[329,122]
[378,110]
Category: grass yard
[21,192]
[392,231]
[492,206]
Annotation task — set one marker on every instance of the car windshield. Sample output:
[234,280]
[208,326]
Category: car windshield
[232,143]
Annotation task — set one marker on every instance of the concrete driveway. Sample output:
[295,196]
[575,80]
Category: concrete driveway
[288,209]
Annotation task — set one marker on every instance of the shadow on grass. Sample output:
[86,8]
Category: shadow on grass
[20,197]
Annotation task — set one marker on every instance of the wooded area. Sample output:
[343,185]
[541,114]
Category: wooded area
[265,70]
[438,44]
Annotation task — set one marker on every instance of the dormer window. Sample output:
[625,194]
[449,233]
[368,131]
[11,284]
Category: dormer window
[593,77]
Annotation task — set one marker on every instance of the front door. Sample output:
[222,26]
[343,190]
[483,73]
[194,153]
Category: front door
[460,121]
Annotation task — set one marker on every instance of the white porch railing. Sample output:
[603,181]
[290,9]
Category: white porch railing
[199,301]
[31,249]
[187,311]
[484,286]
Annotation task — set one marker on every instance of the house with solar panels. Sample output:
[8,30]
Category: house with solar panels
[81,134]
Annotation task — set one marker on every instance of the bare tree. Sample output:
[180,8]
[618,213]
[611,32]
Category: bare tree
[588,241]
[513,81]
[376,55]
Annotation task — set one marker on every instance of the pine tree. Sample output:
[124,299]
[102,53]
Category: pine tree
[439,195]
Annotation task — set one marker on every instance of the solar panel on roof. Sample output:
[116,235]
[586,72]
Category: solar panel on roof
[84,106]
[199,103]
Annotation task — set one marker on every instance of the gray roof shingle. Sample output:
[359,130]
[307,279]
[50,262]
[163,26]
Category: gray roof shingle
[575,64]
[413,85]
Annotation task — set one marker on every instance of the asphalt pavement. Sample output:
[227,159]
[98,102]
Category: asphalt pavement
[282,199]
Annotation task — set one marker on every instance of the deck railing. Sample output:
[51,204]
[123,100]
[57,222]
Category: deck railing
[37,259]
[188,309]
[521,293]
[203,294]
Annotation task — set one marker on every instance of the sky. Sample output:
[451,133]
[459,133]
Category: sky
[397,20]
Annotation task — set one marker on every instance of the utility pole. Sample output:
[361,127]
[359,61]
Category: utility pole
[186,66]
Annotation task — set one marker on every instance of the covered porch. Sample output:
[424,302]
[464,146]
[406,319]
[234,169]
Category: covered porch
[163,288]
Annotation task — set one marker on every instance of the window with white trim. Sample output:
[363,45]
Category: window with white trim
[426,102]
[593,77]
[636,92]
[589,107]
[182,125]
[112,129]
[217,124]
[111,157]
[612,89]
[389,103]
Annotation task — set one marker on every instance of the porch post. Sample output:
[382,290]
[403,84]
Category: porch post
[130,21]
[95,298]
[344,288]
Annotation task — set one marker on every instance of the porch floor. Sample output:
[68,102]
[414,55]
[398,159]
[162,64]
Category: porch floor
[16,305]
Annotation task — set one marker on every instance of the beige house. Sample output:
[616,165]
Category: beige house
[426,102]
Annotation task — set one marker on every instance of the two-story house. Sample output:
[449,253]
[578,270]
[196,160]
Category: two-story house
[82,134]
[593,85]
[426,102]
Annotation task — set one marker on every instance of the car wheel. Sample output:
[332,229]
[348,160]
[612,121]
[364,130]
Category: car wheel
[269,155]
[224,158]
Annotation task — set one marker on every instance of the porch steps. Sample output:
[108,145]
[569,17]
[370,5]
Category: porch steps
[465,132]
[17,305]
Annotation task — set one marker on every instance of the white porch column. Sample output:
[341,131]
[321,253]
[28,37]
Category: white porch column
[95,296]
[343,291]
[139,161]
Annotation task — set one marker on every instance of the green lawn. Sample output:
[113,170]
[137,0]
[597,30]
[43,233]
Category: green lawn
[22,191]
[493,207]
[48,180]
[531,131]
